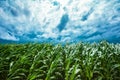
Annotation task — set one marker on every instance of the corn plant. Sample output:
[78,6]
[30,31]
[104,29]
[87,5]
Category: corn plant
[80,61]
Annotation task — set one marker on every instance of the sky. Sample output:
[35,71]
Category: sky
[59,20]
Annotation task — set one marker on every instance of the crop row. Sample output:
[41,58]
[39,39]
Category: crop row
[81,61]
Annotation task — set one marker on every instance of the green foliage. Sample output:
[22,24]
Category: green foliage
[81,61]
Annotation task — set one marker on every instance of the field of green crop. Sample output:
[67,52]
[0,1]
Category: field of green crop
[81,61]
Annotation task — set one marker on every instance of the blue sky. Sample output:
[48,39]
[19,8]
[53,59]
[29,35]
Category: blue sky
[59,20]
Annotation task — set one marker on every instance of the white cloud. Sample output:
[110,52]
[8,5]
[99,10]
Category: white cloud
[86,17]
[6,36]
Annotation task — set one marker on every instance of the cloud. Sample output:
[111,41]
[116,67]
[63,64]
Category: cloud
[60,20]
[5,35]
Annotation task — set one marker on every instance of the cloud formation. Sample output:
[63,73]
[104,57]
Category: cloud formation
[60,20]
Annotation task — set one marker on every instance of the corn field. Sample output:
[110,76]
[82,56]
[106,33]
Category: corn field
[80,61]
